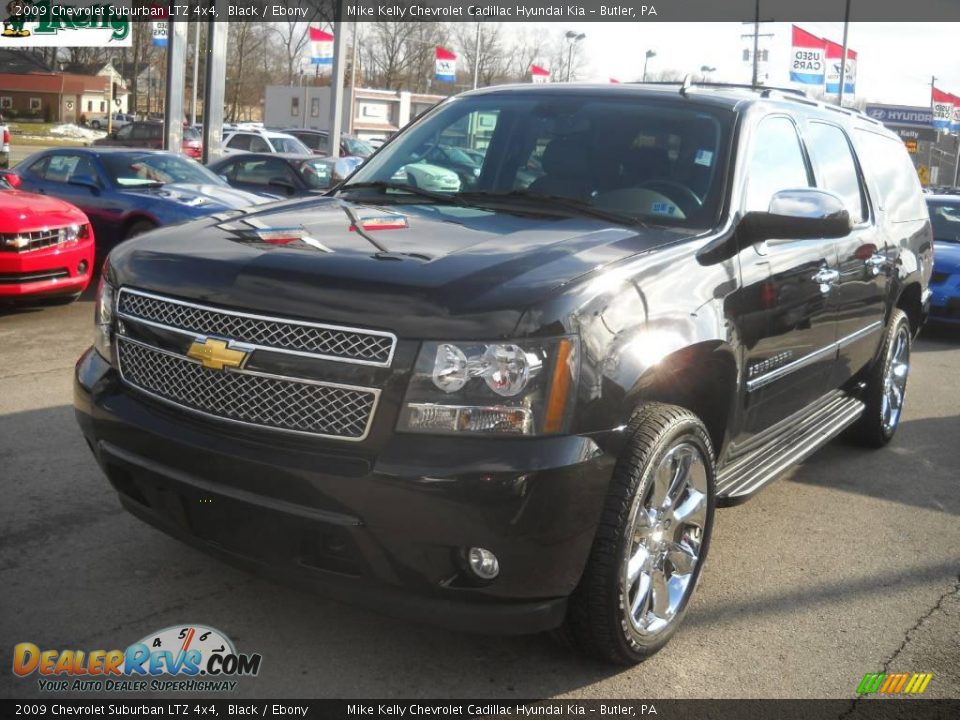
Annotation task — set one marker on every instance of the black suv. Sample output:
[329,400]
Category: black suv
[514,408]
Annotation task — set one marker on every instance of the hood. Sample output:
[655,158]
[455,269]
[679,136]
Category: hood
[458,271]
[25,211]
[201,197]
[946,257]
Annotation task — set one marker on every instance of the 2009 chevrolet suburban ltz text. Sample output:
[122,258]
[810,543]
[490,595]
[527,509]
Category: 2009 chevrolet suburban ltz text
[514,406]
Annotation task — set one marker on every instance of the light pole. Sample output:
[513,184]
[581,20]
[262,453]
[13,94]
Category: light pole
[646,59]
[706,70]
[573,37]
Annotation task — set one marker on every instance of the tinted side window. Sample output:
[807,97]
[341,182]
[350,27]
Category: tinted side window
[887,164]
[258,144]
[240,141]
[776,163]
[836,169]
[125,132]
[309,139]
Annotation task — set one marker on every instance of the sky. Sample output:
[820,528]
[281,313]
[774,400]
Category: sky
[895,60]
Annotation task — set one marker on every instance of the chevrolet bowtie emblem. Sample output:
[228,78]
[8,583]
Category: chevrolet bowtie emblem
[216,354]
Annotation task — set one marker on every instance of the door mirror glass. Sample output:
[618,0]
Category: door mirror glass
[799,214]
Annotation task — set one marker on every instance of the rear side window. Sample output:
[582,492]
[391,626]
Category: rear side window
[240,141]
[888,165]
[776,163]
[836,169]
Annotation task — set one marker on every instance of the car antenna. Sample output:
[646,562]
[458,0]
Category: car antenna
[686,85]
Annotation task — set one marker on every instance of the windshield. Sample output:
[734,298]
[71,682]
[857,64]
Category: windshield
[656,161]
[945,218]
[316,173]
[291,145]
[360,148]
[132,169]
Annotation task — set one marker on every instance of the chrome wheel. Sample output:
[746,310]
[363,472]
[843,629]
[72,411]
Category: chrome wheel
[664,541]
[895,380]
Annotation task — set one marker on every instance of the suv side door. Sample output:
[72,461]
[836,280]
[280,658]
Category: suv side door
[858,301]
[782,310]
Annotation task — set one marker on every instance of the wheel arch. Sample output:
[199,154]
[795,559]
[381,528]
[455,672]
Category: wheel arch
[702,378]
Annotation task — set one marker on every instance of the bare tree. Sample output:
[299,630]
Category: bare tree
[293,38]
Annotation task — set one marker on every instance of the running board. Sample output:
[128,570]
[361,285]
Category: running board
[744,475]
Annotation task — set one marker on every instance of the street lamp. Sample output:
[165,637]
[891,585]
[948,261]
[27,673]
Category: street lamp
[573,37]
[706,70]
[646,59]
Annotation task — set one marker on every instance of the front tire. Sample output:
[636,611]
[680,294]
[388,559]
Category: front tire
[138,228]
[651,542]
[886,386]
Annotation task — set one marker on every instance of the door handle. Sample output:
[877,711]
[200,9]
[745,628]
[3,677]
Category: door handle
[826,278]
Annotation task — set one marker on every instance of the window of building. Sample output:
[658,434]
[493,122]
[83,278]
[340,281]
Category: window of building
[315,107]
[103,106]
[35,103]
[295,107]
[6,102]
[89,105]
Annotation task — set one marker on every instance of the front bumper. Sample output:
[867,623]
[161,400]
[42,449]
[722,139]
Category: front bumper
[386,531]
[50,271]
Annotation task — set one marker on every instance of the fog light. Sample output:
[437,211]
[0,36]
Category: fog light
[82,268]
[483,563]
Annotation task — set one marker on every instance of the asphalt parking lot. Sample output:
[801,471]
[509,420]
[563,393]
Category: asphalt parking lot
[848,565]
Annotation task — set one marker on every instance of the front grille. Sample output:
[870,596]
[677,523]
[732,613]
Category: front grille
[367,347]
[32,277]
[27,241]
[314,408]
[938,278]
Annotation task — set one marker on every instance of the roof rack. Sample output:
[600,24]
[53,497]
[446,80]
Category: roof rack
[688,82]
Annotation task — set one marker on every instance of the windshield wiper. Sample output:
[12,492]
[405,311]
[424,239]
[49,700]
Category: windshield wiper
[400,187]
[579,207]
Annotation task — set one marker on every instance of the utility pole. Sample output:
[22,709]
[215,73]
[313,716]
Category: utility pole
[336,87]
[756,35]
[196,71]
[476,61]
[353,78]
[843,57]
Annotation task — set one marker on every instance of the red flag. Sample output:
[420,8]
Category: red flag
[444,54]
[538,71]
[801,38]
[318,35]
[614,81]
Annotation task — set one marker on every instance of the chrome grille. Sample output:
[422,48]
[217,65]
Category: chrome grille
[366,347]
[301,406]
[27,241]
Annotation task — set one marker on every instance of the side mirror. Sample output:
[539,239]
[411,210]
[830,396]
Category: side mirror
[85,181]
[800,214]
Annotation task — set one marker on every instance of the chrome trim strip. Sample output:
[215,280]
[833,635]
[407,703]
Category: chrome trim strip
[859,334]
[759,382]
[373,391]
[925,296]
[267,318]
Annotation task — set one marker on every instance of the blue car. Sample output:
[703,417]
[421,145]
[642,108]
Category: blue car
[945,283]
[128,192]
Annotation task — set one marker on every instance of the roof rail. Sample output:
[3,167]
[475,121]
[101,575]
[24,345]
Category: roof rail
[688,82]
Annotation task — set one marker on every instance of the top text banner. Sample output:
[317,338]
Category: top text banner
[543,10]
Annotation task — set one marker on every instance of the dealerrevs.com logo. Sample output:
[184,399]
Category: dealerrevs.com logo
[65,23]
[188,658]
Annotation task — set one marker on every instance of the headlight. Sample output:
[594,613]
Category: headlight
[103,317]
[525,387]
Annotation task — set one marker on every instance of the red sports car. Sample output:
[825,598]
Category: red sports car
[46,246]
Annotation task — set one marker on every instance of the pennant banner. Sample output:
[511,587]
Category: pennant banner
[159,27]
[955,120]
[942,105]
[539,74]
[446,65]
[834,68]
[321,47]
[808,60]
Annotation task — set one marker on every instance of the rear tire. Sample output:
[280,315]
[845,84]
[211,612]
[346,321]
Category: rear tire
[886,386]
[138,228]
[651,542]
